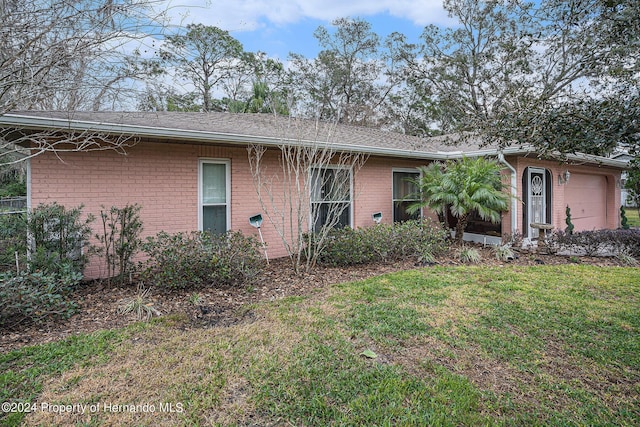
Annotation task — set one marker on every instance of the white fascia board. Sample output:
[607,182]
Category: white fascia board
[604,161]
[175,134]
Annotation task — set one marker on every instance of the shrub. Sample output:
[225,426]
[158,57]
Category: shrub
[59,239]
[627,259]
[13,239]
[624,221]
[186,260]
[514,240]
[591,243]
[140,305]
[419,239]
[36,297]
[120,238]
[346,246]
[570,226]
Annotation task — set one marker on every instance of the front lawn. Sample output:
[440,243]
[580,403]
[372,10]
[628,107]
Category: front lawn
[545,345]
[633,217]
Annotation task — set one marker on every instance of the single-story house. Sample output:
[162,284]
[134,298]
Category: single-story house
[191,171]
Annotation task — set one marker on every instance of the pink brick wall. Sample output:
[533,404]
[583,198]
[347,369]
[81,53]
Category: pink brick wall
[373,189]
[163,179]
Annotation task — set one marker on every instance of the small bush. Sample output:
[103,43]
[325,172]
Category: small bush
[504,253]
[624,221]
[187,260]
[419,239]
[13,239]
[570,226]
[591,243]
[140,305]
[627,259]
[36,297]
[59,238]
[514,240]
[120,239]
[469,255]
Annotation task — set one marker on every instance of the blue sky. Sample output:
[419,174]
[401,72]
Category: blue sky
[279,27]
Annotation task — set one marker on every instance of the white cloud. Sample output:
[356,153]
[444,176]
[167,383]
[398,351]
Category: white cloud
[248,15]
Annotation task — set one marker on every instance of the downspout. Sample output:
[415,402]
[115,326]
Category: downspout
[514,193]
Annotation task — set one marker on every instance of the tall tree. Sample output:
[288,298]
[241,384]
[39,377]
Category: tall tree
[562,75]
[477,67]
[259,86]
[349,79]
[205,56]
[587,69]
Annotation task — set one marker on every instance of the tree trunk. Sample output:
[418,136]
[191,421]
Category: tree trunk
[460,227]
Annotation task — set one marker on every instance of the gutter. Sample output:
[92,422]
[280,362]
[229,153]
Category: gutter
[175,134]
[514,193]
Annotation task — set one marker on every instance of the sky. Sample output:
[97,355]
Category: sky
[279,27]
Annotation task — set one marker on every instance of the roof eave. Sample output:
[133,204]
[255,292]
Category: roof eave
[175,135]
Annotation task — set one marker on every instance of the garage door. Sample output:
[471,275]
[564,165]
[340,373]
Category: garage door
[586,195]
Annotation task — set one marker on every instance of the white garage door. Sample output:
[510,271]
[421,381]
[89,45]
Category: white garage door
[586,195]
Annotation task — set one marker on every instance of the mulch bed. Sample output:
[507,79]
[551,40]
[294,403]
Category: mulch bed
[222,307]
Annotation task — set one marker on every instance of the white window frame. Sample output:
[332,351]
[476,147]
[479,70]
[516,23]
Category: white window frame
[311,202]
[227,177]
[393,200]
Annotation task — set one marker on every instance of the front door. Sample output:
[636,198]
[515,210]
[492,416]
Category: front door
[537,200]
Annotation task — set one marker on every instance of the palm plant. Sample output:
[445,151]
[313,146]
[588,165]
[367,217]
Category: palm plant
[462,187]
[430,192]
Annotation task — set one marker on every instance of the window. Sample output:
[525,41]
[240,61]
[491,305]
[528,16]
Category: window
[402,187]
[330,197]
[214,196]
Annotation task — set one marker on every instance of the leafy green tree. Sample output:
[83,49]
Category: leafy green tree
[475,68]
[349,79]
[205,56]
[463,187]
[259,86]
[633,182]
[561,75]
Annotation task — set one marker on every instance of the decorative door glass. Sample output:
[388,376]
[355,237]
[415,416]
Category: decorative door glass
[537,200]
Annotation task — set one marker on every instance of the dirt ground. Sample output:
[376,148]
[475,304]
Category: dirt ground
[219,307]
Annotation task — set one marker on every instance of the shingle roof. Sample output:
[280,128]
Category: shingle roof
[254,125]
[268,129]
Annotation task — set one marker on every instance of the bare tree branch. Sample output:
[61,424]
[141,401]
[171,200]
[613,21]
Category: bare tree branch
[301,200]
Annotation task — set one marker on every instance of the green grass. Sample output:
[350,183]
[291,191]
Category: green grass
[23,371]
[455,346]
[633,217]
